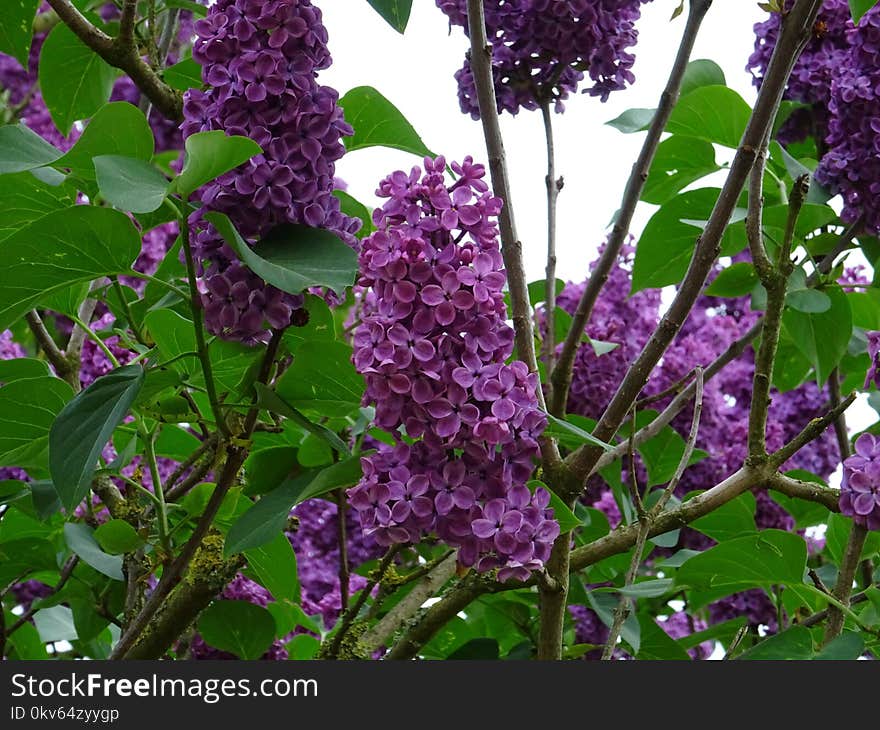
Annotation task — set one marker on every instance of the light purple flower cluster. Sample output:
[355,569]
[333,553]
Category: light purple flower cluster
[851,166]
[543,49]
[433,347]
[260,60]
[810,81]
[860,487]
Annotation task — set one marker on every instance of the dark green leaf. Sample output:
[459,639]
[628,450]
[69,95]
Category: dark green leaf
[716,114]
[119,129]
[837,536]
[184,75]
[16,28]
[239,627]
[793,643]
[764,558]
[24,199]
[395,12]
[822,337]
[736,280]
[21,149]
[678,162]
[294,257]
[802,298]
[81,541]
[322,379]
[701,72]
[848,646]
[633,120]
[209,155]
[319,327]
[118,537]
[75,244]
[21,368]
[267,468]
[274,566]
[479,649]
[377,122]
[271,401]
[74,80]
[130,184]
[662,455]
[733,519]
[83,428]
[858,8]
[27,409]
[656,643]
[538,290]
[355,209]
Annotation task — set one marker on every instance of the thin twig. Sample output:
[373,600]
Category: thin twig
[342,539]
[737,640]
[64,576]
[553,187]
[53,354]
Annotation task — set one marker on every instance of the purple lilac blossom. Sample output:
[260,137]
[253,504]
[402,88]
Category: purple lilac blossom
[542,50]
[851,167]
[260,61]
[860,486]
[872,376]
[681,624]
[811,77]
[433,347]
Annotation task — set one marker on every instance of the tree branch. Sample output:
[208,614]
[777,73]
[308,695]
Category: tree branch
[796,31]
[553,187]
[124,56]
[53,354]
[561,376]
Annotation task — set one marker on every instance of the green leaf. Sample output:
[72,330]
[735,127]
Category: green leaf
[802,298]
[633,120]
[294,257]
[271,401]
[209,155]
[822,337]
[268,468]
[16,28]
[395,12]
[567,519]
[737,280]
[858,8]
[21,368]
[117,537]
[793,643]
[701,72]
[74,80]
[538,290]
[355,209]
[731,520]
[130,184]
[482,649]
[848,646]
[55,624]
[274,566]
[119,129]
[377,122]
[667,243]
[565,429]
[656,643]
[319,327]
[83,428]
[678,162]
[21,149]
[322,379]
[239,627]
[764,558]
[805,513]
[265,519]
[24,199]
[662,455]
[27,409]
[647,588]
[80,539]
[716,114]
[837,536]
[184,75]
[75,244]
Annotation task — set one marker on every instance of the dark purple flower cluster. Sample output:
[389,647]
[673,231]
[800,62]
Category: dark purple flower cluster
[260,60]
[543,49]
[433,347]
[681,624]
[754,604]
[860,487]
[851,166]
[810,81]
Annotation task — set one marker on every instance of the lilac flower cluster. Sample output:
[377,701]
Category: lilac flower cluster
[543,49]
[860,487]
[810,81]
[851,166]
[433,347]
[260,60]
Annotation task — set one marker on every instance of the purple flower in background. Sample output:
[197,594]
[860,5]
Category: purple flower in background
[260,61]
[543,50]
[874,353]
[433,344]
[860,487]
[680,625]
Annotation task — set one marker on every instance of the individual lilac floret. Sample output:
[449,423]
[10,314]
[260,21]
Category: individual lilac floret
[260,62]
[542,50]
[860,487]
[433,347]
[851,166]
[818,64]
